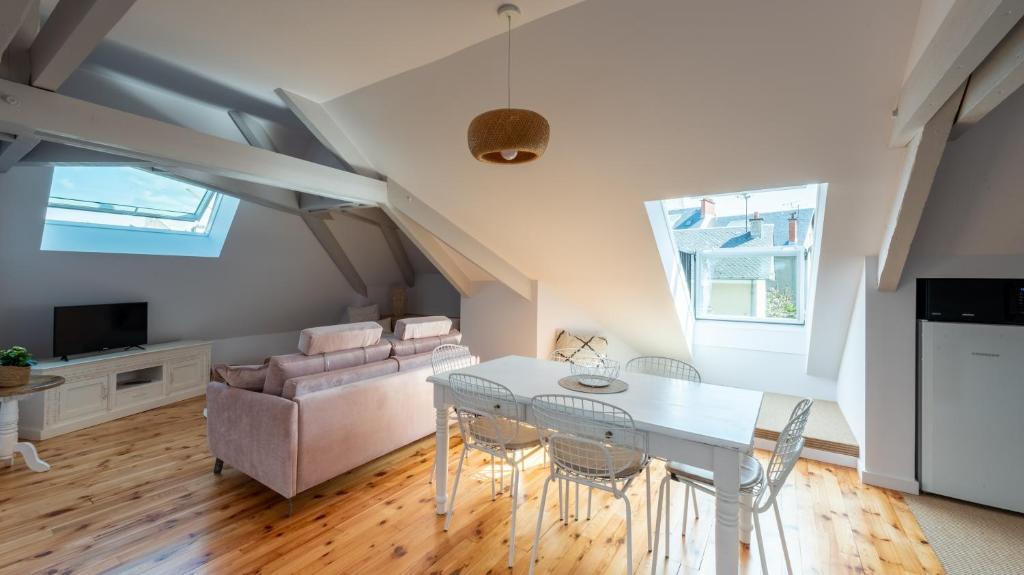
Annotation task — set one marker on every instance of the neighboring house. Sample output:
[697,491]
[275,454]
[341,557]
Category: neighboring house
[759,281]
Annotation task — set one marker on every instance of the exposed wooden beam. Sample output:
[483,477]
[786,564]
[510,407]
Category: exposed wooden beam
[57,118]
[319,122]
[389,229]
[252,131]
[16,64]
[1000,75]
[969,32]
[469,247]
[432,248]
[12,14]
[266,196]
[330,244]
[923,156]
[51,154]
[12,152]
[71,32]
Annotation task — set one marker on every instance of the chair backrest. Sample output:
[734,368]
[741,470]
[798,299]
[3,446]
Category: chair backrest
[489,417]
[568,354]
[449,357]
[588,437]
[787,451]
[664,367]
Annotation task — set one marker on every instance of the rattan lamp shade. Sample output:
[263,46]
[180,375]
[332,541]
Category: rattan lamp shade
[524,131]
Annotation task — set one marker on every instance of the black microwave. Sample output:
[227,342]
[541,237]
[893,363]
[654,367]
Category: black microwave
[964,300]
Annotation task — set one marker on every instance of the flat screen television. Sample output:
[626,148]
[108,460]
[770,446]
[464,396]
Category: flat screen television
[87,328]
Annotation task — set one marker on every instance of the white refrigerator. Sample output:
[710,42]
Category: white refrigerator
[971,400]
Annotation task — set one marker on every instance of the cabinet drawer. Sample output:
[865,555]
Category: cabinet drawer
[138,394]
[83,399]
[184,375]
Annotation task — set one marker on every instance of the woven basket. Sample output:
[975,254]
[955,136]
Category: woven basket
[11,376]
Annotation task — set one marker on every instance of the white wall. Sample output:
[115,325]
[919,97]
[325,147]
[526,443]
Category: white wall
[970,228]
[555,313]
[433,295]
[850,392]
[271,279]
[496,322]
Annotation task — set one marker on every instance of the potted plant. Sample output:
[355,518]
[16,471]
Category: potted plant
[15,366]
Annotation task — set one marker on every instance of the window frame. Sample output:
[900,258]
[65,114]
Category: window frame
[800,253]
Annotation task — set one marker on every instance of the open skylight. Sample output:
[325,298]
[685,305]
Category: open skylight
[126,210]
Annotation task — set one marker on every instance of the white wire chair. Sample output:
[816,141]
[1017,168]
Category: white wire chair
[492,422]
[451,357]
[592,443]
[763,483]
[664,367]
[674,369]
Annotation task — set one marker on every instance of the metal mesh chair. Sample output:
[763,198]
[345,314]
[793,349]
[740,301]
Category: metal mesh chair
[451,357]
[674,369]
[664,367]
[491,422]
[595,444]
[763,483]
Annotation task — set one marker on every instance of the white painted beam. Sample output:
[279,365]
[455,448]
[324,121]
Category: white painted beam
[71,32]
[57,118]
[251,130]
[330,244]
[432,248]
[12,152]
[469,247]
[12,14]
[1000,75]
[16,64]
[266,196]
[319,122]
[389,229]
[51,154]
[969,32]
[923,156]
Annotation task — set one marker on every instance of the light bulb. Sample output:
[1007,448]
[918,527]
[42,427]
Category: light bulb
[509,155]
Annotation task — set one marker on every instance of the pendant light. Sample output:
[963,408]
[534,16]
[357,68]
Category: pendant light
[508,135]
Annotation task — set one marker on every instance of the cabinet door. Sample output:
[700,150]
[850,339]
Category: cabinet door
[184,374]
[83,399]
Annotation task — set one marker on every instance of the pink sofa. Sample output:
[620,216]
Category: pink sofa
[319,415]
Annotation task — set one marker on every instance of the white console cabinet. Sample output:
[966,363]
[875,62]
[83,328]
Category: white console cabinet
[107,386]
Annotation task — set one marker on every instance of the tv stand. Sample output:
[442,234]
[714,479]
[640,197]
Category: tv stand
[131,347]
[112,385]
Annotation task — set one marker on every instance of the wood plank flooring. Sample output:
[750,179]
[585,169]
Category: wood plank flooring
[138,496]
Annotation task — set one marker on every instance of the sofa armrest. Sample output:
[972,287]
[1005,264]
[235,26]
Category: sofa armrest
[256,433]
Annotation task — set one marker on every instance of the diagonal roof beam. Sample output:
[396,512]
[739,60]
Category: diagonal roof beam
[968,33]
[71,32]
[1000,75]
[12,152]
[57,118]
[13,14]
[434,251]
[923,157]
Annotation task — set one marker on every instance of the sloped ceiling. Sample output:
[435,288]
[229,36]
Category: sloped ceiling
[654,99]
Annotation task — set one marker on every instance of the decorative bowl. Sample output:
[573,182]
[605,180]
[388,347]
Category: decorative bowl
[594,371]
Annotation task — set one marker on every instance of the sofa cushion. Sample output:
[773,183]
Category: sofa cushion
[285,367]
[420,327]
[401,348]
[307,384]
[328,338]
[251,377]
[358,356]
[411,362]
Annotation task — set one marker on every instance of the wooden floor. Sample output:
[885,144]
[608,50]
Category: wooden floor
[138,496]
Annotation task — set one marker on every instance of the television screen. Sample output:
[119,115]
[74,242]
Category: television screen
[85,328]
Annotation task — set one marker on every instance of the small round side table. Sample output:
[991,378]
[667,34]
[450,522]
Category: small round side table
[9,444]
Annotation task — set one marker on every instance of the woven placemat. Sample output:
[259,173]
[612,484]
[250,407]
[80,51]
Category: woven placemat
[572,383]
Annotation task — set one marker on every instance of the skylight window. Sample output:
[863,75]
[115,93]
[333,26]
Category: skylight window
[745,256]
[126,210]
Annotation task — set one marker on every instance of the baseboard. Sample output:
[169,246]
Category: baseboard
[889,482]
[813,454]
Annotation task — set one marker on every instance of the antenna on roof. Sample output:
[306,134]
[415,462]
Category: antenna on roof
[746,204]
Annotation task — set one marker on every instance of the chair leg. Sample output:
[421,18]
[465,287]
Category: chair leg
[629,535]
[577,516]
[561,508]
[455,489]
[668,511]
[515,505]
[760,544]
[782,536]
[218,466]
[540,522]
[493,494]
[647,472]
[696,509]
[686,506]
[657,526]
[590,499]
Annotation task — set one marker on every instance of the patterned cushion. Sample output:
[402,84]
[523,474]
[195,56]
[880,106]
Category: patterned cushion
[566,344]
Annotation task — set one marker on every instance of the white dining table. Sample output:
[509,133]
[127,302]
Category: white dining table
[700,424]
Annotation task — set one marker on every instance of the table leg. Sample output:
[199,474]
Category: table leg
[727,493]
[8,429]
[746,526]
[441,460]
[28,451]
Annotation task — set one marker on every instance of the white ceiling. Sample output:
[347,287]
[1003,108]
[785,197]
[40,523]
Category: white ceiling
[654,99]
[318,48]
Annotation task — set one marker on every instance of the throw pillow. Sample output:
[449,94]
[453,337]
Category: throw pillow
[568,344]
[355,314]
[250,377]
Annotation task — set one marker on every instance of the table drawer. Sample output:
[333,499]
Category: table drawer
[138,394]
